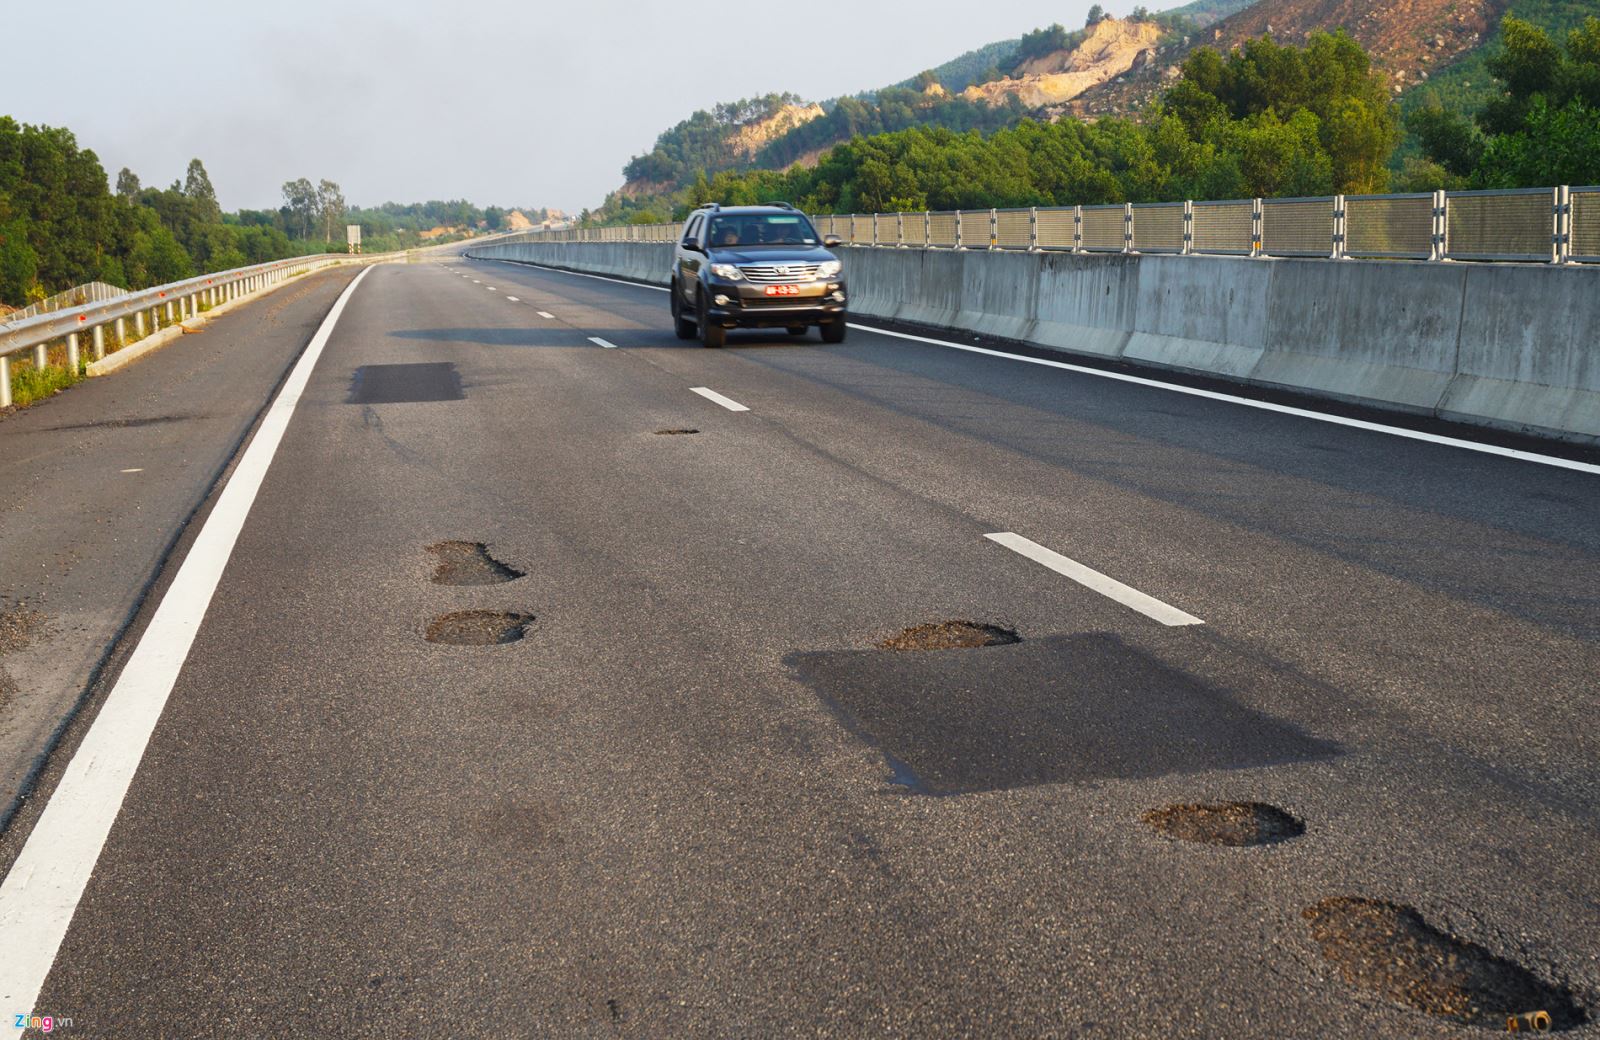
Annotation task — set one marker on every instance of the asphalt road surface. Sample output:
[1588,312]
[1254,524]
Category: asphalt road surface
[696,799]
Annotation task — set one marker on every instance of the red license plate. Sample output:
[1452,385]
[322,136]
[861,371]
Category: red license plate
[783,290]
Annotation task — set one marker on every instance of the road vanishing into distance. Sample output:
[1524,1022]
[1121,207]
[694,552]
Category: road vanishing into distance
[698,796]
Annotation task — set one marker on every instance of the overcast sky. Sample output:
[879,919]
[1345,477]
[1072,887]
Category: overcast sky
[498,102]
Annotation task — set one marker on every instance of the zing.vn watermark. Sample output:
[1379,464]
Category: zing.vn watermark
[43,1023]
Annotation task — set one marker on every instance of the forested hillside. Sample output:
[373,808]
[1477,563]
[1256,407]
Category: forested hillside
[61,225]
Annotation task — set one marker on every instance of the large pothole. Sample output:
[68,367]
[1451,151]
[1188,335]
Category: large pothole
[1389,949]
[950,635]
[468,563]
[478,627]
[1237,824]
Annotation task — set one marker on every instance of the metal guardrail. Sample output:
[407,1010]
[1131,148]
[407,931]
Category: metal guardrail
[1527,225]
[147,311]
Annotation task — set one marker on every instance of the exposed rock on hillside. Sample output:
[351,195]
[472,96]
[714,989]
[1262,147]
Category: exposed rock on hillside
[1111,48]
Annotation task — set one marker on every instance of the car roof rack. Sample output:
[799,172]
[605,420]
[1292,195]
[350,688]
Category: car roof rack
[781,205]
[708,205]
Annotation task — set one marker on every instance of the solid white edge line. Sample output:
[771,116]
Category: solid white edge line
[603,343]
[1090,578]
[1210,395]
[41,892]
[1266,406]
[727,402]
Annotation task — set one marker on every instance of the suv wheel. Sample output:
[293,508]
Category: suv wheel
[711,334]
[683,326]
[833,332]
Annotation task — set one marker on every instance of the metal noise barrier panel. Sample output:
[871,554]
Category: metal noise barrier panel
[1584,243]
[1499,225]
[1389,225]
[1104,229]
[1297,227]
[1013,229]
[1158,227]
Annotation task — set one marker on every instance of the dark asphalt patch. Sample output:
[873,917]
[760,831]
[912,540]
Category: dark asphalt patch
[1389,949]
[950,635]
[1237,824]
[1066,709]
[478,627]
[405,384]
[675,433]
[125,424]
[469,563]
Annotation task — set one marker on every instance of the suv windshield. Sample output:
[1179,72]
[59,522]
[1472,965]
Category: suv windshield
[761,229]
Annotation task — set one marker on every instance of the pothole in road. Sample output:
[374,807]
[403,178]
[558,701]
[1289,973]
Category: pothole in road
[1238,824]
[478,627]
[950,635]
[675,432]
[1389,949]
[469,563]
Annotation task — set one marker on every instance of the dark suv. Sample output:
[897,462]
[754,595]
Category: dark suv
[755,267]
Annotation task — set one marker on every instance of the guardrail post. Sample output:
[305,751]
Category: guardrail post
[1127,227]
[994,229]
[99,342]
[1077,229]
[1441,228]
[1255,227]
[122,333]
[958,230]
[5,381]
[1338,228]
[72,353]
[1188,227]
[1033,229]
[1560,244]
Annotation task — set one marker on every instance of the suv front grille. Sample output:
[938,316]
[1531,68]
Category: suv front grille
[775,274]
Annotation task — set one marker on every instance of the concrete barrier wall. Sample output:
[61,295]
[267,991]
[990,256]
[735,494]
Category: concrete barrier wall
[1502,345]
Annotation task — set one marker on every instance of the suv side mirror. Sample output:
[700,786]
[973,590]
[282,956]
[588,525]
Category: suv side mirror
[831,241]
[693,245]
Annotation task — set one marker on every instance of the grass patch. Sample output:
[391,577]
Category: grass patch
[30,384]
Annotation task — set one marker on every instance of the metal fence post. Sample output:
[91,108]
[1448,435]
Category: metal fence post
[1441,227]
[1188,227]
[1127,227]
[899,230]
[994,229]
[1338,227]
[5,381]
[1561,243]
[1077,229]
[927,229]
[72,352]
[1255,227]
[1033,229]
[958,230]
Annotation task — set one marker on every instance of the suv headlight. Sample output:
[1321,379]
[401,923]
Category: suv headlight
[829,269]
[728,271]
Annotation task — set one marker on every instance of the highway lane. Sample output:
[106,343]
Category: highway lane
[695,800]
[99,481]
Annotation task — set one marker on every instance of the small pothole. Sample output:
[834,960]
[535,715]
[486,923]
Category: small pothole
[1389,949]
[1228,823]
[950,635]
[469,563]
[685,431]
[478,627]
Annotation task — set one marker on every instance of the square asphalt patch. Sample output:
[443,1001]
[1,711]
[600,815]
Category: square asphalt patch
[401,384]
[1059,710]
